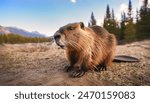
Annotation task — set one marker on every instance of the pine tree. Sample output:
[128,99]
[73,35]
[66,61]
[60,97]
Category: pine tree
[145,3]
[89,24]
[93,20]
[137,15]
[1,39]
[110,23]
[107,18]
[130,30]
[144,9]
[15,38]
[123,26]
[130,10]
[113,15]
[108,14]
[143,26]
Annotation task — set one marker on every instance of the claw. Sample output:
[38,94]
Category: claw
[77,73]
[101,68]
[67,68]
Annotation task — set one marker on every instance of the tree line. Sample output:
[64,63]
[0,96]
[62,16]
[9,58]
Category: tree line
[15,38]
[130,28]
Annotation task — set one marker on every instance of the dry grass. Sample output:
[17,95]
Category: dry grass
[42,64]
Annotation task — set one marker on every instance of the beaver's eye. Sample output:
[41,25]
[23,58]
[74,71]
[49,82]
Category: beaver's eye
[71,28]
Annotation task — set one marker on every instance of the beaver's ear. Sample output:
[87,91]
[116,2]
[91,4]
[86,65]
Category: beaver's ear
[82,25]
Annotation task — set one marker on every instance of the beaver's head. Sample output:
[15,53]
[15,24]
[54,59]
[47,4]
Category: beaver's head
[68,34]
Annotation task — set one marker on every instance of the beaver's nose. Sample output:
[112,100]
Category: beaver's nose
[57,36]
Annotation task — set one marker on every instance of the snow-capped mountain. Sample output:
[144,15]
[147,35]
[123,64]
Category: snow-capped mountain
[3,30]
[15,30]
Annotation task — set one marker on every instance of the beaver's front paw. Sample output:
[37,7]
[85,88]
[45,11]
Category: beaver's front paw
[101,67]
[68,68]
[77,73]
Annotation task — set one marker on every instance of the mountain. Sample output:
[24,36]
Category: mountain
[15,30]
[3,30]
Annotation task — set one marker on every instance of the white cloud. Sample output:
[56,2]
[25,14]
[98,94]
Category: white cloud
[73,1]
[123,8]
[100,21]
[141,2]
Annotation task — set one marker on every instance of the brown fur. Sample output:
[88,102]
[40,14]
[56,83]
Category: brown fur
[86,47]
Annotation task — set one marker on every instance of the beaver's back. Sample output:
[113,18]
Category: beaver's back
[104,46]
[99,30]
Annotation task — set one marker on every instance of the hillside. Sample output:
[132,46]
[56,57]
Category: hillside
[3,30]
[43,63]
[15,30]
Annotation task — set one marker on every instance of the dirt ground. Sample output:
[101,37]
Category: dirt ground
[43,63]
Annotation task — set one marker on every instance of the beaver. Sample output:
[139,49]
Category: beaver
[86,47]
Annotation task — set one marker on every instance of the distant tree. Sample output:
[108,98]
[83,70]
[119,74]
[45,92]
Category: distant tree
[89,24]
[137,16]
[5,37]
[130,32]
[130,29]
[143,25]
[107,18]
[113,15]
[110,23]
[1,39]
[108,14]
[144,9]
[145,3]
[15,38]
[122,25]
[93,20]
[130,10]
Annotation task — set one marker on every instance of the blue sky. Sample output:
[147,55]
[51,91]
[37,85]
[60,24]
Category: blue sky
[46,16]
